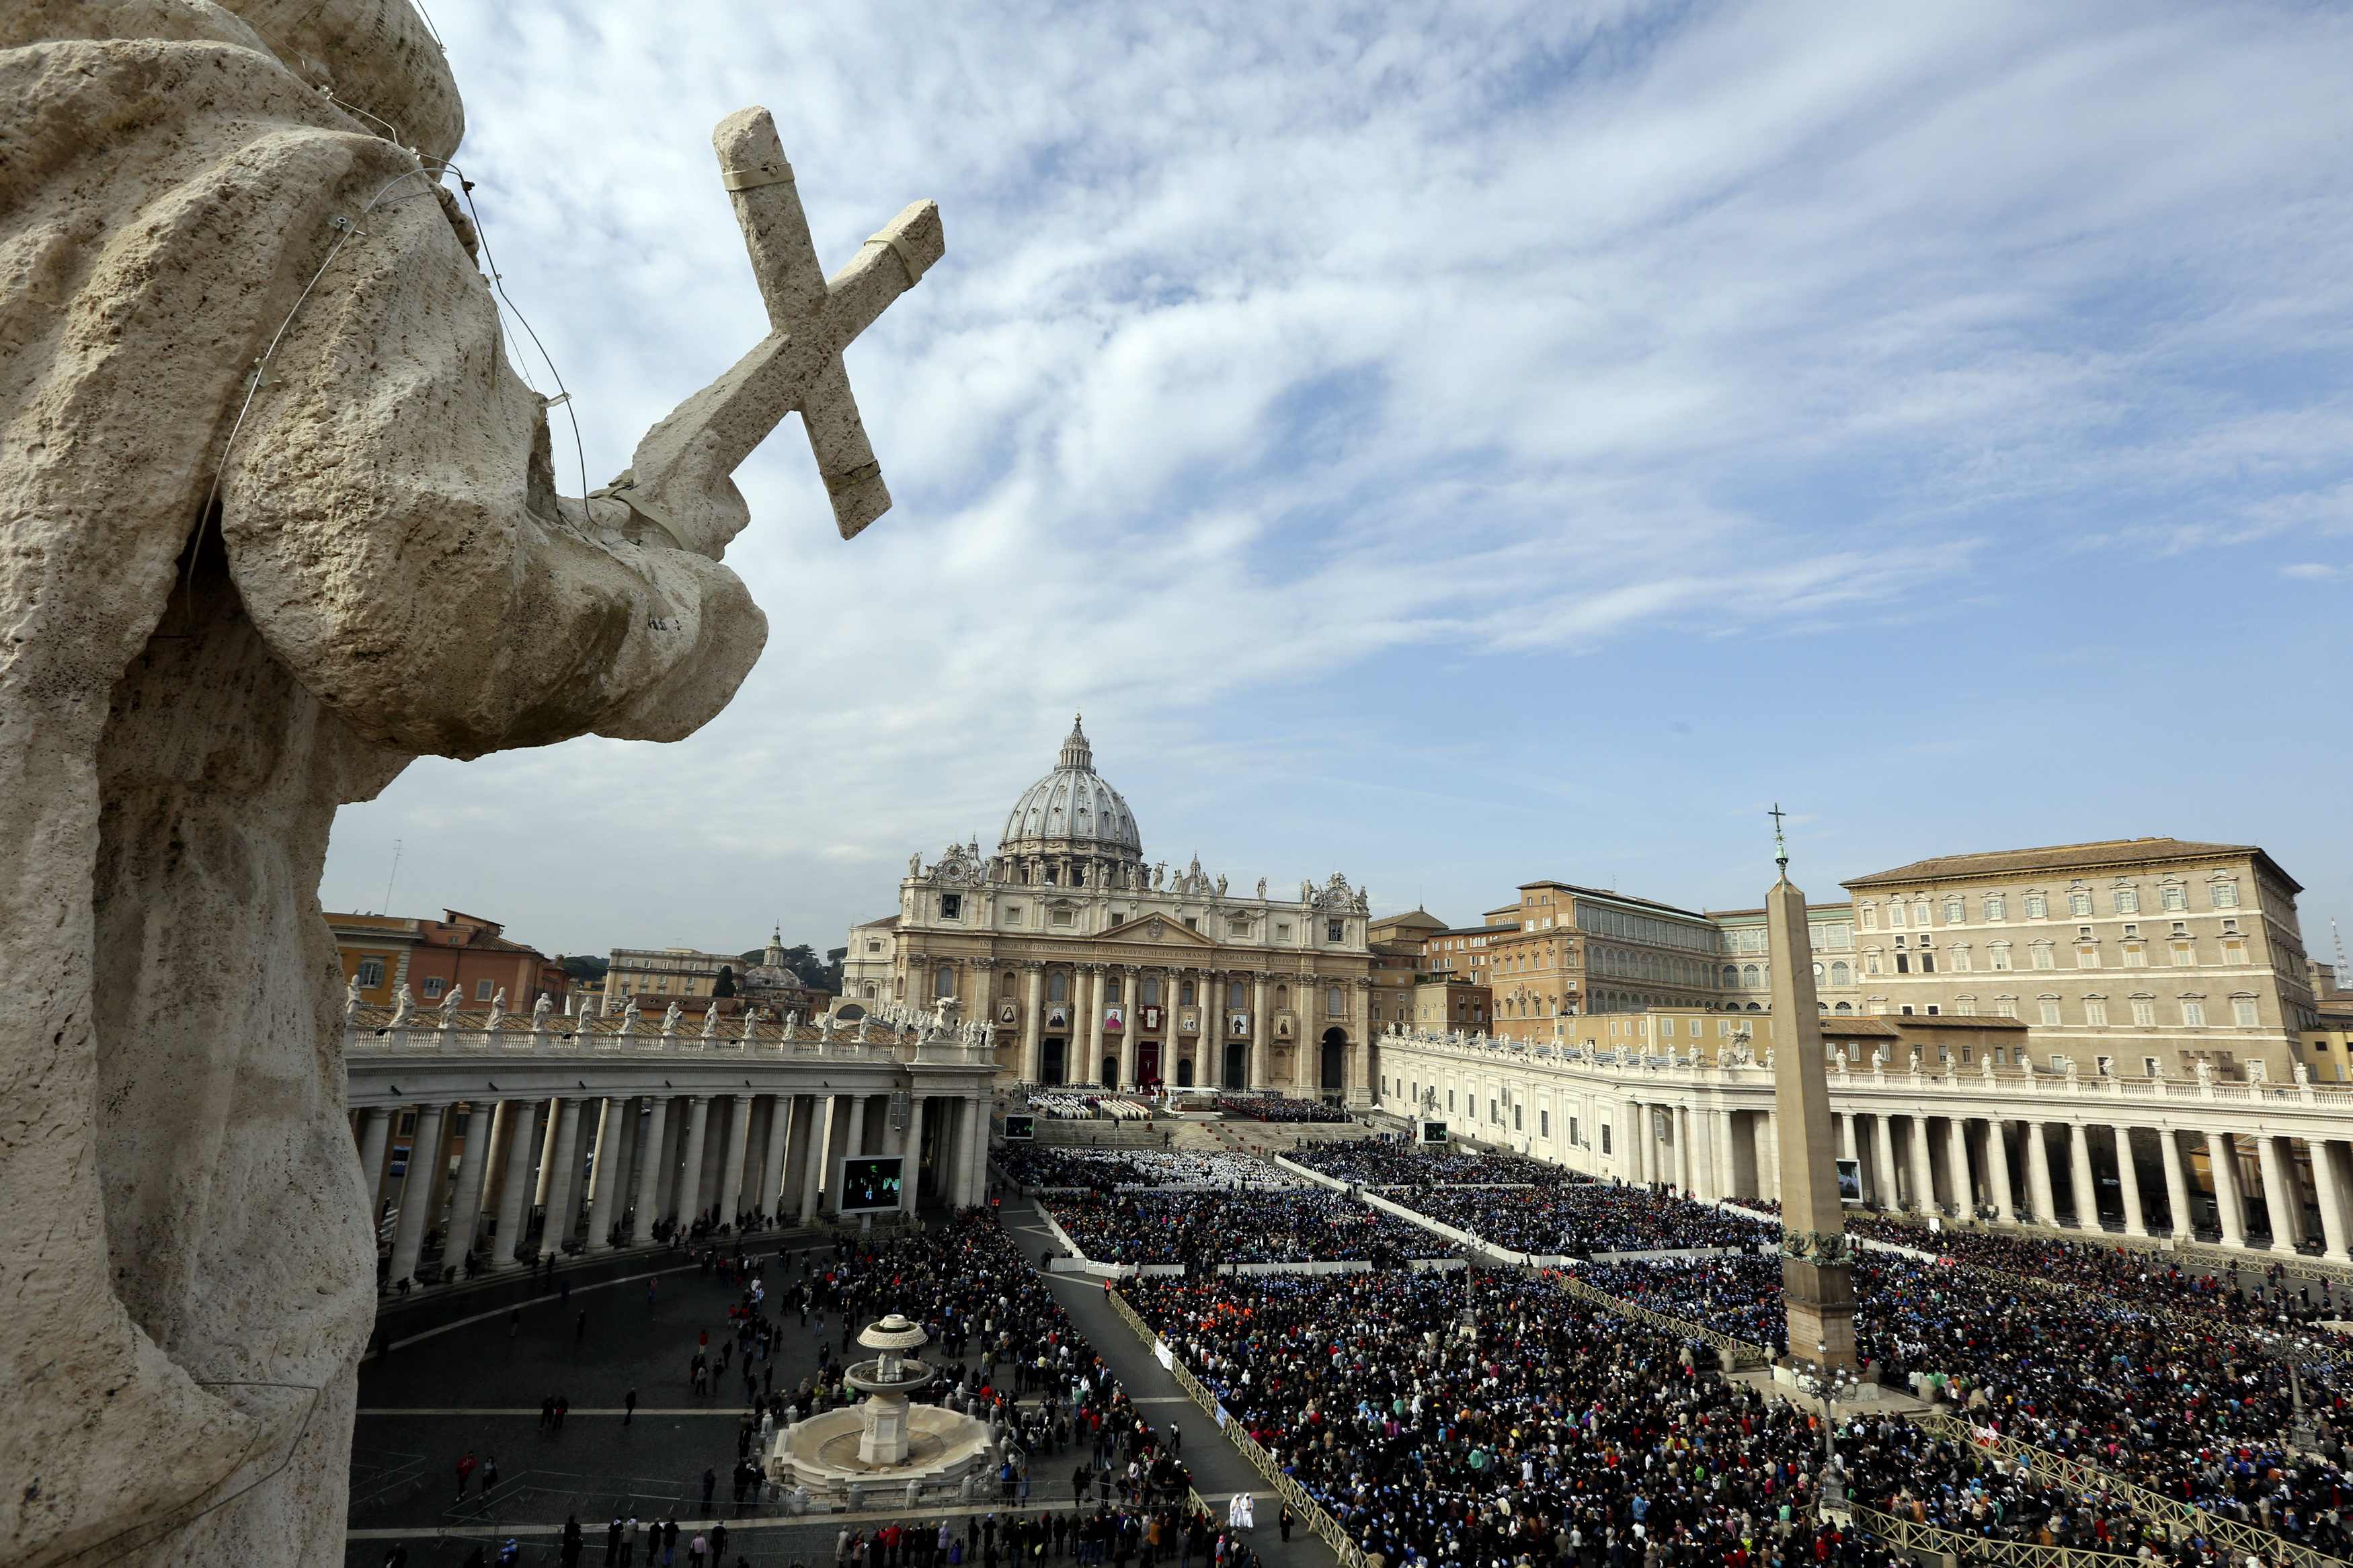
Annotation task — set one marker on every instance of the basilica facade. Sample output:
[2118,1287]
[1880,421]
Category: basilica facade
[1092,965]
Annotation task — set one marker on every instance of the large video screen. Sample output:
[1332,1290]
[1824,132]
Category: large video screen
[1433,1132]
[872,1183]
[1850,1181]
[1020,1129]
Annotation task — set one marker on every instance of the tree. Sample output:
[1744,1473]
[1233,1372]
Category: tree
[586,967]
[725,985]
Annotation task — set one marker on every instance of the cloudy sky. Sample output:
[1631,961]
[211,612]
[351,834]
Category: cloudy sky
[1456,444]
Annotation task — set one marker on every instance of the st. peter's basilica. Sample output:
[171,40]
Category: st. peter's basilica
[1091,965]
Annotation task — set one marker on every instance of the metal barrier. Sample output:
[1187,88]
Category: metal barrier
[1745,1356]
[2177,1518]
[1907,1536]
[1302,1501]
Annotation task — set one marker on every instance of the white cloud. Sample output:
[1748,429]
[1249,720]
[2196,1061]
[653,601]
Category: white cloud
[1274,339]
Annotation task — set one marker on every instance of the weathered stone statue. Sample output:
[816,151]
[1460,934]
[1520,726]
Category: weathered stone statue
[277,517]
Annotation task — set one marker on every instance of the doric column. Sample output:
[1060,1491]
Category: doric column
[670,1157]
[2129,1183]
[1210,1043]
[2079,1165]
[1997,1170]
[605,1173]
[772,1163]
[1887,1192]
[689,1174]
[1965,1193]
[731,1169]
[515,1185]
[416,1194]
[1846,1136]
[2222,1159]
[2176,1182]
[2281,1202]
[650,1172]
[465,1202]
[977,1170]
[1924,1169]
[813,1155]
[1630,1142]
[1719,1152]
[842,1132]
[1769,1156]
[546,1154]
[1033,1038]
[2329,1189]
[714,1150]
[910,1146]
[802,1120]
[565,1177]
[2044,1207]
[375,1136]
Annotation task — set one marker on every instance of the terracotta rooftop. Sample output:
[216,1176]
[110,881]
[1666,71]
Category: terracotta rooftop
[2056,857]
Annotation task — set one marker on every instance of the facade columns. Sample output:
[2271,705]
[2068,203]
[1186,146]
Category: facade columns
[1846,1136]
[2281,1202]
[604,1174]
[565,1177]
[2079,1166]
[1965,1195]
[1630,1147]
[375,1136]
[1090,990]
[466,1202]
[841,1138]
[731,1168]
[2044,1207]
[670,1153]
[415,1196]
[1261,1031]
[910,1146]
[1769,1156]
[793,1193]
[1033,1040]
[1887,1192]
[1924,1168]
[812,1154]
[515,1184]
[1997,1170]
[650,1172]
[1210,1043]
[689,1175]
[2128,1183]
[1131,1021]
[977,1170]
[2176,1182]
[2328,1189]
[2222,1160]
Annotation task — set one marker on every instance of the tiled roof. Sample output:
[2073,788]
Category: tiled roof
[2062,857]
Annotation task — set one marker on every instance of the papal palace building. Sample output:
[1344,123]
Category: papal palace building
[1091,965]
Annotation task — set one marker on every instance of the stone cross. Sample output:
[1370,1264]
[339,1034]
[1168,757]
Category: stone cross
[679,476]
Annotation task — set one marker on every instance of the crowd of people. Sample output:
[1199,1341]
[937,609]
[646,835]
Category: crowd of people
[2201,1417]
[1109,1170]
[1298,1226]
[1579,1219]
[1280,1108]
[1489,1417]
[1391,1161]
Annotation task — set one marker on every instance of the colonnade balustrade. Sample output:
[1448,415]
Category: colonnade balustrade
[514,1138]
[2263,1169]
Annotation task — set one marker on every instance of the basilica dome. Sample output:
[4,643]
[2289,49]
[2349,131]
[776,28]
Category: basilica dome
[1072,811]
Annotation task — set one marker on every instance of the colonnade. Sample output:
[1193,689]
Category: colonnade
[608,1169]
[2062,1174]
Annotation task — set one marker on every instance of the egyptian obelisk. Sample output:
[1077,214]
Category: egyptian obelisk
[1817,1281]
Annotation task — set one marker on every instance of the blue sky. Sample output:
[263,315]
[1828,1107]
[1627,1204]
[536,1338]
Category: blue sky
[1455,444]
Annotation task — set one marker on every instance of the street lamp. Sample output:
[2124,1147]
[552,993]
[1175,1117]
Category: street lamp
[1826,1382]
[2302,1436]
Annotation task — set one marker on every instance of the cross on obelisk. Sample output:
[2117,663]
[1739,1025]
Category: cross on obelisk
[679,477]
[1817,1280]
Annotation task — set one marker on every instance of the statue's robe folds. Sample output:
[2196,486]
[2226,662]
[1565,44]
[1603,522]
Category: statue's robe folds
[186,1262]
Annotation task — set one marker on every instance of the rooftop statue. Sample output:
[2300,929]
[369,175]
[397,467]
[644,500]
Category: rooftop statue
[282,519]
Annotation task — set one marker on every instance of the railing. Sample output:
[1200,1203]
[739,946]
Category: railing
[2178,1517]
[1744,1354]
[1909,1537]
[519,1035]
[1301,1500]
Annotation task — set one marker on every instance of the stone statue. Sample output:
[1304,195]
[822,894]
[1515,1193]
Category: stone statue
[1221,886]
[498,1010]
[915,863]
[710,1019]
[628,1021]
[1262,889]
[449,1000]
[670,1016]
[2204,1070]
[351,997]
[539,1012]
[2300,1072]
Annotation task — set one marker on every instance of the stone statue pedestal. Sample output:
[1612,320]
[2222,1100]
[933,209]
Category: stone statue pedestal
[883,1444]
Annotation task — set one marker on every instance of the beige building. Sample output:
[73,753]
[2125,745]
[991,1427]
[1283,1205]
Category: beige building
[1092,965]
[1743,979]
[2131,957]
[1442,1006]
